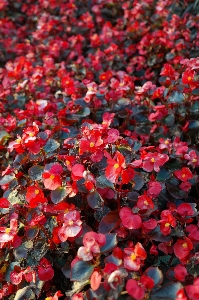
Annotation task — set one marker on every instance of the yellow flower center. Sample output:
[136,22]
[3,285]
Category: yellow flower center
[133,256]
[146,202]
[48,298]
[18,141]
[70,223]
[36,192]
[166,142]
[167,225]
[7,230]
[121,84]
[31,134]
[116,166]
[92,144]
[67,82]
[194,160]
[153,160]
[183,175]
[66,211]
[189,78]
[185,245]
[52,176]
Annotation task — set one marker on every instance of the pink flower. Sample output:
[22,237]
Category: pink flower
[153,161]
[193,158]
[129,219]
[154,189]
[8,234]
[92,242]
[72,225]
[165,144]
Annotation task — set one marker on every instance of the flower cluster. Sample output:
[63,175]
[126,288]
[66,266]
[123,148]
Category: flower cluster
[99,158]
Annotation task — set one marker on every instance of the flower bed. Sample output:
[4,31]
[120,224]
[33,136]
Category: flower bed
[99,150]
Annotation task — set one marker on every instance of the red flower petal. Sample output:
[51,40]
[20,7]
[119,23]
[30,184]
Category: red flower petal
[95,280]
[135,290]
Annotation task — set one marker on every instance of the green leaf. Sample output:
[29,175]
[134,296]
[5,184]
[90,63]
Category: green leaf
[175,192]
[102,182]
[167,292]
[156,274]
[194,124]
[111,242]
[176,97]
[20,252]
[14,197]
[9,269]
[169,120]
[109,222]
[6,179]
[36,172]
[51,146]
[4,136]
[58,195]
[163,175]
[95,200]
[138,181]
[81,271]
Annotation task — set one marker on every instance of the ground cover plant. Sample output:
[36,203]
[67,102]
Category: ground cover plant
[99,158]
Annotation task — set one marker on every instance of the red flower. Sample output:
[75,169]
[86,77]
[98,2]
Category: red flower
[52,179]
[95,280]
[166,247]
[149,225]
[184,174]
[136,289]
[113,136]
[45,270]
[145,202]
[17,145]
[116,167]
[35,196]
[154,189]
[153,161]
[55,297]
[129,219]
[133,257]
[182,248]
[185,210]
[167,221]
[185,186]
[77,172]
[167,70]
[188,77]
[180,272]
[16,276]
[193,290]
[4,203]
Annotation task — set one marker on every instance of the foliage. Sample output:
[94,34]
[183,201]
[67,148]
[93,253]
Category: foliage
[99,158]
